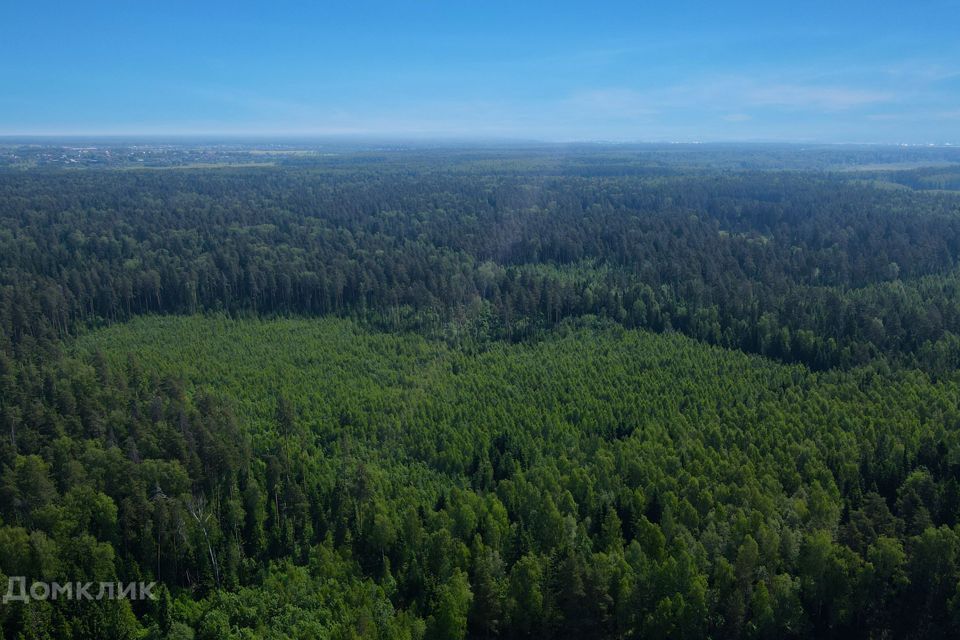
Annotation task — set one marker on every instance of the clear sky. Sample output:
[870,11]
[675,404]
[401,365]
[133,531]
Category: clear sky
[631,71]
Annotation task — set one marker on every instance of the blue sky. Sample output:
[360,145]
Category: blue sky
[627,71]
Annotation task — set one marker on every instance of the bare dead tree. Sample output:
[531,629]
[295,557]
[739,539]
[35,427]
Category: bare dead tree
[197,506]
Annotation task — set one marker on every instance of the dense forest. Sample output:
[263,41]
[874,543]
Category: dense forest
[797,266]
[443,395]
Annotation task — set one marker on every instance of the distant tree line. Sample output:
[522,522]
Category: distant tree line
[801,267]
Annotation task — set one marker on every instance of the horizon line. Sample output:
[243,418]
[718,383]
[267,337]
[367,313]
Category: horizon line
[446,138]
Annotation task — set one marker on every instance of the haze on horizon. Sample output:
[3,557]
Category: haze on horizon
[559,71]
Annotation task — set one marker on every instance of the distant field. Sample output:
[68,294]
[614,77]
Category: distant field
[201,165]
[898,166]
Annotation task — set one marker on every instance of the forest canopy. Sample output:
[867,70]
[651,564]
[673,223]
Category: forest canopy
[495,397]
